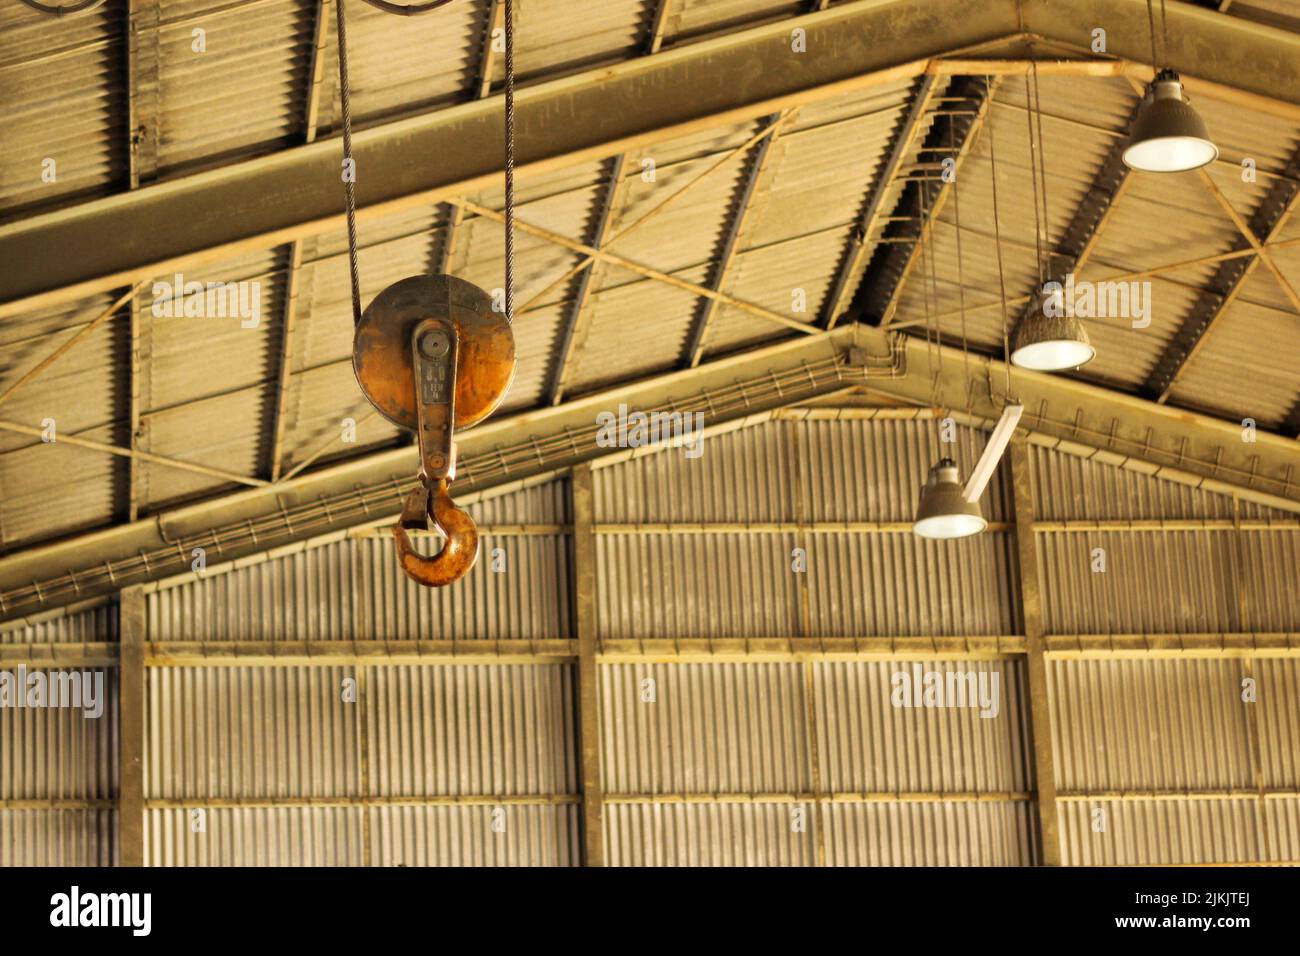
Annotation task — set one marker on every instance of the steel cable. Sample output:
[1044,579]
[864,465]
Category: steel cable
[349,185]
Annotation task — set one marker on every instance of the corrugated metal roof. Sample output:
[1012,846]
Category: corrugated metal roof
[60,81]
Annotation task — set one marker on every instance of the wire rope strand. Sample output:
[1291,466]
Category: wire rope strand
[350,173]
[510,160]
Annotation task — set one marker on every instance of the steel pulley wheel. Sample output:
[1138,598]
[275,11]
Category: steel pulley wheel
[381,349]
[414,10]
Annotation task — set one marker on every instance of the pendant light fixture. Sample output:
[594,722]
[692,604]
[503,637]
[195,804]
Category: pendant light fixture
[1168,136]
[1050,338]
[943,512]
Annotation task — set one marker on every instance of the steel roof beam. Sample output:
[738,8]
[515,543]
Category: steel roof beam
[498,452]
[610,204]
[297,285]
[488,50]
[744,203]
[1071,416]
[860,239]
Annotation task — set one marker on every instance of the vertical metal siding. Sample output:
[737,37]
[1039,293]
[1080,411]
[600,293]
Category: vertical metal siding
[58,753]
[1067,487]
[713,728]
[712,834]
[664,585]
[898,584]
[713,584]
[464,836]
[67,626]
[1278,687]
[502,730]
[1149,725]
[932,834]
[742,475]
[321,836]
[1164,582]
[353,589]
[1145,832]
[54,753]
[231,732]
[866,744]
[58,838]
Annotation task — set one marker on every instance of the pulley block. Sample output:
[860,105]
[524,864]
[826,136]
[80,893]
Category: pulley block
[433,356]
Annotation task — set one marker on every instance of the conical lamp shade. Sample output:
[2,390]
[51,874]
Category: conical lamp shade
[1168,135]
[944,511]
[1051,343]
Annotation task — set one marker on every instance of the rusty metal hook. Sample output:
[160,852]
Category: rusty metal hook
[432,505]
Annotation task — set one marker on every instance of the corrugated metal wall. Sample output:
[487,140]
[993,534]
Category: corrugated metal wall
[1221,772]
[58,766]
[783,761]
[786,763]
[795,763]
[386,764]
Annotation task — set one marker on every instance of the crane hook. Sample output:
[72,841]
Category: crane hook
[432,506]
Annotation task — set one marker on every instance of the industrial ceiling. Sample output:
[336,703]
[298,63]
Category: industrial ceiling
[715,195]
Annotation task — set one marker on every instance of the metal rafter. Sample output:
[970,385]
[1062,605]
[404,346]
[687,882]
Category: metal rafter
[575,319]
[104,243]
[659,26]
[139,338]
[536,443]
[957,127]
[141,66]
[860,238]
[1070,415]
[744,203]
[297,285]
[1227,283]
[455,215]
[487,52]
[297,289]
